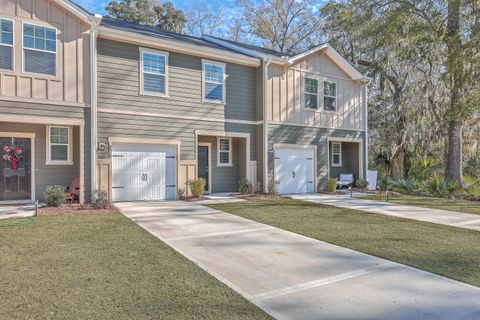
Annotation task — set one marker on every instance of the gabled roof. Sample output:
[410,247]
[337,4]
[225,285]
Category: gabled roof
[122,25]
[76,10]
[278,57]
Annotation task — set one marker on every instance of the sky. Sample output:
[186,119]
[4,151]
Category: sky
[97,6]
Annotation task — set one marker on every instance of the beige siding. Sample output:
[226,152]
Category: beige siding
[285,95]
[72,82]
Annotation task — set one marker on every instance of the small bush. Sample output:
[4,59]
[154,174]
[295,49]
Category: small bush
[331,185]
[273,187]
[197,187]
[246,186]
[408,186]
[100,199]
[54,196]
[361,184]
[443,188]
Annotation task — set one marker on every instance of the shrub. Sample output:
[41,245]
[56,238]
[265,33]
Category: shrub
[385,184]
[273,187]
[471,188]
[443,188]
[100,199]
[361,184]
[246,186]
[197,187]
[331,185]
[408,186]
[54,196]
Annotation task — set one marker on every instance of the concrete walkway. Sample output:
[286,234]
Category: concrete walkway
[294,277]
[449,218]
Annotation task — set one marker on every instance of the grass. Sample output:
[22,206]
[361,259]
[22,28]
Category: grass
[104,267]
[448,251]
[465,206]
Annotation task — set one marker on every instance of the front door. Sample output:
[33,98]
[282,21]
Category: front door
[203,165]
[15,169]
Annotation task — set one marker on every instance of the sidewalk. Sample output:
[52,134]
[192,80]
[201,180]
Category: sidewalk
[449,218]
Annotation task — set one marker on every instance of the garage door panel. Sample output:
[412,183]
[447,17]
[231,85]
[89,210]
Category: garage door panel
[294,170]
[141,172]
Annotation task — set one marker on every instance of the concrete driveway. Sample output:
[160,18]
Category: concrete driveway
[294,277]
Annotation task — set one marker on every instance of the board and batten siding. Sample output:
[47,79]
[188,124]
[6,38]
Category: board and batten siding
[72,82]
[285,89]
[119,86]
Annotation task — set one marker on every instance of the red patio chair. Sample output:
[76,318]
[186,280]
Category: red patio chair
[73,191]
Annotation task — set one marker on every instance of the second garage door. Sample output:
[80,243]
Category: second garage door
[294,170]
[143,172]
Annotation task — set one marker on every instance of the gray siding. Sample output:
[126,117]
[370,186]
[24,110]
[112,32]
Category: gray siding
[46,175]
[38,109]
[287,134]
[350,161]
[225,179]
[118,86]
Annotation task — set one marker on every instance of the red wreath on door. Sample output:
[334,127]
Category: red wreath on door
[12,154]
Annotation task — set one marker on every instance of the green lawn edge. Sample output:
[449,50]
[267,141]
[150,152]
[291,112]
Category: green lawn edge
[105,267]
[447,251]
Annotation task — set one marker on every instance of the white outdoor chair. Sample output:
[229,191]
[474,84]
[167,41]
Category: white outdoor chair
[345,180]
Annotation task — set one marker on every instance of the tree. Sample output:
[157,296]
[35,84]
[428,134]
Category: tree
[288,26]
[202,21]
[148,12]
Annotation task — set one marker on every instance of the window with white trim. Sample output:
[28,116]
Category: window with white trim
[336,154]
[224,152]
[6,44]
[213,82]
[329,96]
[39,49]
[154,72]
[311,93]
[59,145]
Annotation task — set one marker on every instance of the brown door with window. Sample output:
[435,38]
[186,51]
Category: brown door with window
[15,169]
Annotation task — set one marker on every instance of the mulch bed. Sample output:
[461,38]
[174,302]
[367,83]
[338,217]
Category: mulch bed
[75,209]
[256,196]
[193,199]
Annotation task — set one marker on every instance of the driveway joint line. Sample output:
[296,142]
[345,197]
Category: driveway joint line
[214,234]
[321,282]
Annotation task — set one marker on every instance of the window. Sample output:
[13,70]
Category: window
[59,145]
[6,44]
[311,93]
[336,154]
[213,82]
[224,152]
[39,49]
[154,72]
[330,96]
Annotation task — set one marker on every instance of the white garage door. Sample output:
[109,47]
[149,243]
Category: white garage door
[294,170]
[143,172]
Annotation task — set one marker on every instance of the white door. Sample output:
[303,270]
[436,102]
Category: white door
[294,170]
[143,172]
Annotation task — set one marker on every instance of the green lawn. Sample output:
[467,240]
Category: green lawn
[429,202]
[104,267]
[448,251]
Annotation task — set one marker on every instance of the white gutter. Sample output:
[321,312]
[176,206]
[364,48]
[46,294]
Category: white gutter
[265,65]
[93,102]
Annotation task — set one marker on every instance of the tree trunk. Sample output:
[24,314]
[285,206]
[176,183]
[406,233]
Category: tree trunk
[396,165]
[453,168]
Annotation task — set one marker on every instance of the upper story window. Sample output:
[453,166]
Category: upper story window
[336,154]
[330,96]
[154,69]
[6,44]
[311,93]
[224,152]
[59,145]
[213,82]
[40,49]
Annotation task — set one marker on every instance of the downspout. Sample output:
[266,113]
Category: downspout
[93,102]
[265,63]
[366,128]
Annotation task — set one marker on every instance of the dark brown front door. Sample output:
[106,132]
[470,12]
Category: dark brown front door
[15,181]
